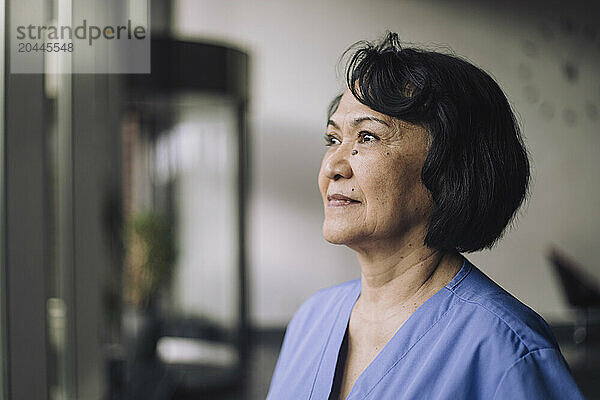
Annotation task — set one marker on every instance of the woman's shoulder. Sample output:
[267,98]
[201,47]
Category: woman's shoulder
[514,346]
[327,300]
[319,312]
[488,305]
[334,293]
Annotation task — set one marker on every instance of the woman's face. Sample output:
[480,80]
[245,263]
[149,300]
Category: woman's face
[382,179]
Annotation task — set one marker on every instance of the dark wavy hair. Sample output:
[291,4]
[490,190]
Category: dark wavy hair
[477,168]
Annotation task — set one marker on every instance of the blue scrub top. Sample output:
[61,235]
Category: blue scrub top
[470,340]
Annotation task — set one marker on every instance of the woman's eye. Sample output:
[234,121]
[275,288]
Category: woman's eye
[331,140]
[367,137]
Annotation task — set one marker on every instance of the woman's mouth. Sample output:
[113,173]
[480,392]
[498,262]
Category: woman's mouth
[339,200]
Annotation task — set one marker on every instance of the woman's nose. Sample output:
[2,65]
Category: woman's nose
[338,165]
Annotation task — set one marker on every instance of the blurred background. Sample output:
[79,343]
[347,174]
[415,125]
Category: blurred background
[160,230]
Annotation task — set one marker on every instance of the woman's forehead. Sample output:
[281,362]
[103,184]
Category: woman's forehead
[350,108]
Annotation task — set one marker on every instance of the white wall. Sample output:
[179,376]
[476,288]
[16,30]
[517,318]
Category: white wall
[294,47]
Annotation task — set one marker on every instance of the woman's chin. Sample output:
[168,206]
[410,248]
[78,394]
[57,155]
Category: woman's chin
[337,234]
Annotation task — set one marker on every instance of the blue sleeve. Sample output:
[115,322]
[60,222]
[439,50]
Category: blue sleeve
[540,374]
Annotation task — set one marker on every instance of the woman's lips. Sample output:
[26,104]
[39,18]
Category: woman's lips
[339,200]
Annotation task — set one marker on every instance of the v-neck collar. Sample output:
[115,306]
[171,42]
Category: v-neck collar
[415,327]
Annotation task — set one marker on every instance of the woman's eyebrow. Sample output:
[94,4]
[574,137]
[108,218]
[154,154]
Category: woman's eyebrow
[369,118]
[358,120]
[332,123]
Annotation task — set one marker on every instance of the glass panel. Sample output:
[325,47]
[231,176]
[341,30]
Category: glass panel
[157,280]
[60,321]
[2,227]
[180,207]
[60,211]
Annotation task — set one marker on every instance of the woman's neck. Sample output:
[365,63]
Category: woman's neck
[400,280]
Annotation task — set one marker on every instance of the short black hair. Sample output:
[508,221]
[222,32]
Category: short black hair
[477,168]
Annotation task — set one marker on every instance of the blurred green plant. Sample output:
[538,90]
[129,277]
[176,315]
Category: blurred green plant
[149,257]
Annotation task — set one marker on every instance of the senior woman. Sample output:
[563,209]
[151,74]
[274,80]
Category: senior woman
[424,162]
